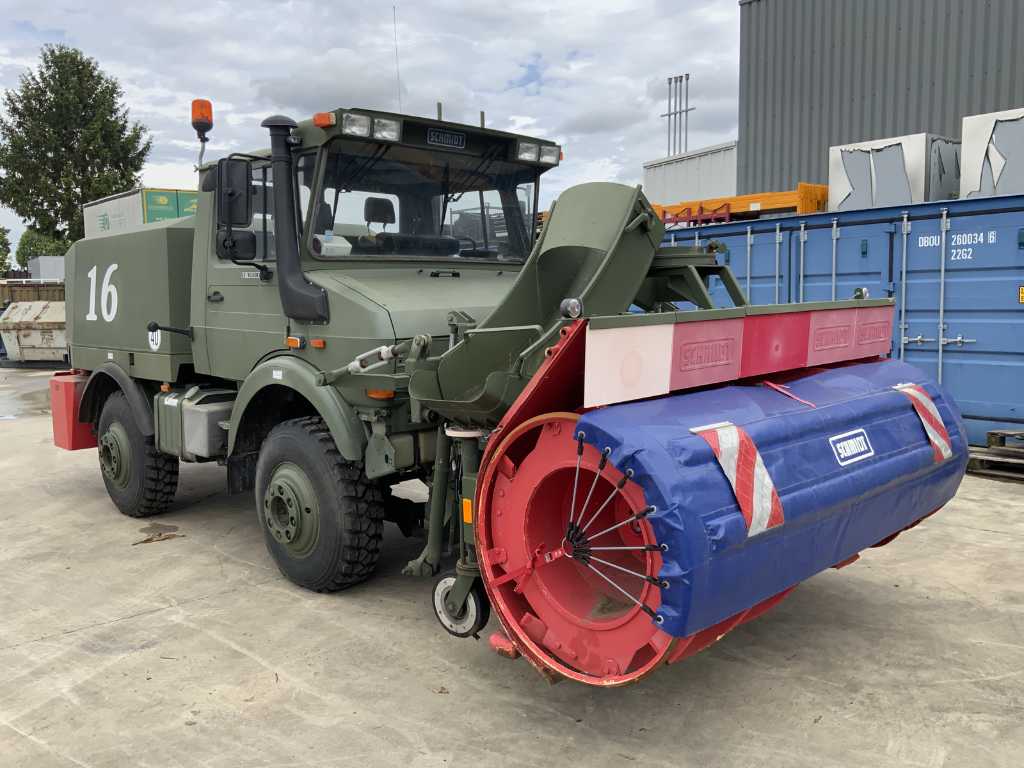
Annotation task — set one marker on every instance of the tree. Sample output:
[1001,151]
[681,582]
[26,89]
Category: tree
[66,140]
[34,243]
[5,249]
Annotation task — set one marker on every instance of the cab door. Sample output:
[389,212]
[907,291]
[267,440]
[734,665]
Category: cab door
[243,314]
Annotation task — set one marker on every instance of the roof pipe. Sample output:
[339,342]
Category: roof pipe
[300,299]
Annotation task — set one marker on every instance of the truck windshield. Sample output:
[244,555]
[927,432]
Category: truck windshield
[380,200]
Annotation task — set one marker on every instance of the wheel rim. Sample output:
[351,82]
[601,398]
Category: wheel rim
[290,510]
[574,580]
[116,455]
[457,625]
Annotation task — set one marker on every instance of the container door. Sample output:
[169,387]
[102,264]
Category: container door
[838,259]
[970,314]
[917,296]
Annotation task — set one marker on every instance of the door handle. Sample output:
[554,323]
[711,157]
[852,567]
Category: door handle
[215,296]
[959,340]
[919,339]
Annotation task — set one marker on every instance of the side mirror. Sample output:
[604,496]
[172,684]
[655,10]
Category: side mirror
[234,193]
[239,245]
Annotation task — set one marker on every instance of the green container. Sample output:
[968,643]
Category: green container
[187,203]
[160,204]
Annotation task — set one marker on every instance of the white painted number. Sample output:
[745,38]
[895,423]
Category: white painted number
[91,314]
[109,300]
[108,295]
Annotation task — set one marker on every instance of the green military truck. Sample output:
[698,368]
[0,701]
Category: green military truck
[214,337]
[625,470]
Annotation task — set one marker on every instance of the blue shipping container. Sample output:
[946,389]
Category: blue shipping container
[955,268]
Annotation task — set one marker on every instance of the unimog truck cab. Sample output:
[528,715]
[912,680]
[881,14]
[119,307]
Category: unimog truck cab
[262,332]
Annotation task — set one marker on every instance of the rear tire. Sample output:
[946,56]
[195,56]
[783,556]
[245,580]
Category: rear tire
[141,481]
[322,519]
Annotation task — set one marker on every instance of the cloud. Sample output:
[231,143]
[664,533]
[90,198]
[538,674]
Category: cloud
[573,71]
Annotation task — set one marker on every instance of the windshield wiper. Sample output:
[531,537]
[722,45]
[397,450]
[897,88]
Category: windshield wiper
[481,169]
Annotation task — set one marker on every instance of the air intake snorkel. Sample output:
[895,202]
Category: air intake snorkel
[300,299]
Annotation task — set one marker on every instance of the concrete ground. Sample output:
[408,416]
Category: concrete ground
[176,642]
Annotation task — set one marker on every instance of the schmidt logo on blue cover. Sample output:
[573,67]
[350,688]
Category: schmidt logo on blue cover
[851,447]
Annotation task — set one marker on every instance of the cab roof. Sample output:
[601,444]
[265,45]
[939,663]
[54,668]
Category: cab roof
[313,136]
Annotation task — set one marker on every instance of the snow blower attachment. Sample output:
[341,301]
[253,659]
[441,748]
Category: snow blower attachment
[632,485]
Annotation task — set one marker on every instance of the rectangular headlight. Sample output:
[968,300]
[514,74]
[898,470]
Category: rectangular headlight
[550,155]
[527,150]
[355,125]
[386,129]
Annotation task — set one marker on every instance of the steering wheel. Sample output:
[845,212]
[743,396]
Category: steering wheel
[460,238]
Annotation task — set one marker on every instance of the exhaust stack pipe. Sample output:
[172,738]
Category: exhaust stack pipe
[300,299]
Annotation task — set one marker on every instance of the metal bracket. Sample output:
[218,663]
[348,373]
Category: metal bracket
[459,323]
[835,245]
[380,453]
[750,248]
[778,257]
[904,326]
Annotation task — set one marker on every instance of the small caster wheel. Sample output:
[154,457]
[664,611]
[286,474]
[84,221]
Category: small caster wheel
[475,612]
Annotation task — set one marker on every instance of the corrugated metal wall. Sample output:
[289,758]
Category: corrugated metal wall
[816,73]
[699,175]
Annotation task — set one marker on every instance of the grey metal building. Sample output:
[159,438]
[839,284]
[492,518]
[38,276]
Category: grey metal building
[817,73]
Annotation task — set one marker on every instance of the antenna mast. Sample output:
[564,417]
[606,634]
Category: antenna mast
[398,72]
[678,114]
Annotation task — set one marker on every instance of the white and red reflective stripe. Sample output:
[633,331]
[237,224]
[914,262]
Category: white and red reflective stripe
[744,468]
[925,408]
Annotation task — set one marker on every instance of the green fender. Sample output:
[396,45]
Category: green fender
[292,373]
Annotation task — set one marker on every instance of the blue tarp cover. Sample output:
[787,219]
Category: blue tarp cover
[832,511]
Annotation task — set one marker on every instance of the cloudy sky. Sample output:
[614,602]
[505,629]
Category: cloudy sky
[590,75]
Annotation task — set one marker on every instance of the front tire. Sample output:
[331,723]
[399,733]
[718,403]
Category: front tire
[140,479]
[322,519]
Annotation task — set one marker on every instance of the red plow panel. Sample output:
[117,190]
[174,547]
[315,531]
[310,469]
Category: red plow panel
[633,362]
